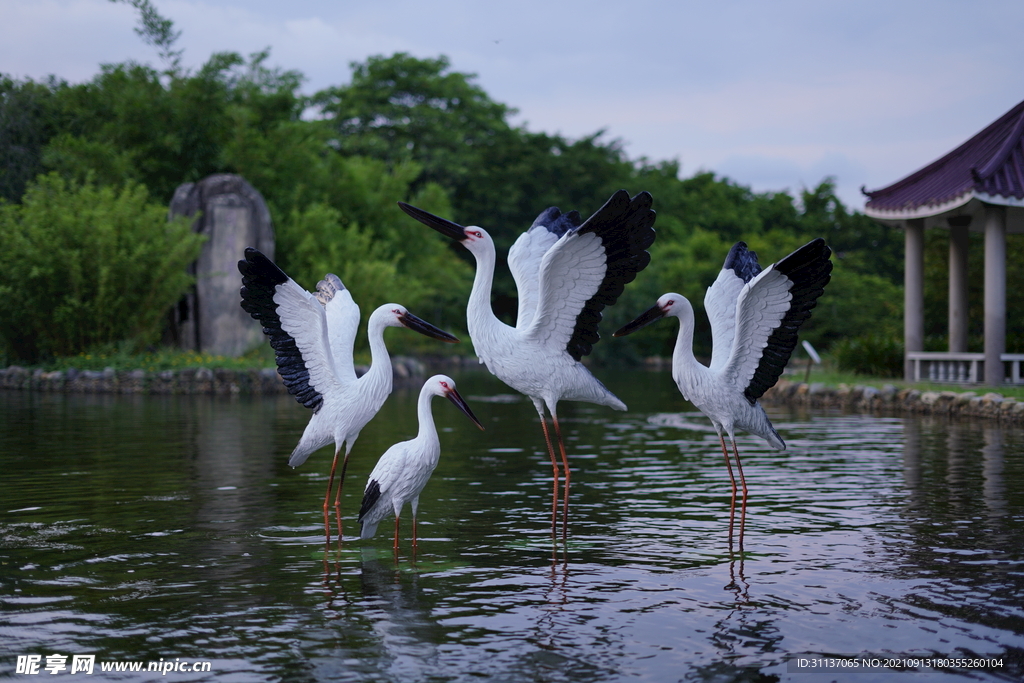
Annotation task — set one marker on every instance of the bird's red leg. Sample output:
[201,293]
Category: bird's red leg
[327,498]
[732,504]
[396,534]
[565,468]
[554,470]
[743,483]
[414,531]
[337,497]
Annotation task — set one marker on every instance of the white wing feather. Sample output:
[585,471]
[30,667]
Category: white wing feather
[342,322]
[524,260]
[387,469]
[761,306]
[571,272]
[304,318]
[720,305]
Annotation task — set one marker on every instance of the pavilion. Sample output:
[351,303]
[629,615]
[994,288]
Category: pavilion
[978,186]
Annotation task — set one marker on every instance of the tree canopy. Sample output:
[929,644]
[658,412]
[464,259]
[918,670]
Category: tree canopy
[332,165]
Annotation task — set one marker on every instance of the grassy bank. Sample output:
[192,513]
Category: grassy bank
[828,375]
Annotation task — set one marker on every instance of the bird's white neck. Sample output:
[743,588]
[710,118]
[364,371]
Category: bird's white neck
[427,429]
[378,379]
[686,370]
[480,318]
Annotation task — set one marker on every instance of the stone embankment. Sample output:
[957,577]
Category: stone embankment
[411,370]
[893,399]
[182,381]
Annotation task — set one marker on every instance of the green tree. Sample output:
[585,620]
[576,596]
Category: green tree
[401,108]
[157,31]
[27,122]
[86,265]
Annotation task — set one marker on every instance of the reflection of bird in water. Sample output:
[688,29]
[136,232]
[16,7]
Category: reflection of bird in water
[754,318]
[313,337]
[565,273]
[404,469]
[738,581]
[392,602]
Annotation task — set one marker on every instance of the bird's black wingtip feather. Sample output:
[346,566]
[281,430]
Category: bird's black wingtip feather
[260,278]
[809,269]
[742,261]
[626,228]
[370,498]
[556,222]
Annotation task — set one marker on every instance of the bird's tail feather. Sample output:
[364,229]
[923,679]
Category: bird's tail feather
[313,439]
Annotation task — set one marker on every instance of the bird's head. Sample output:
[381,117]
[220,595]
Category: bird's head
[668,304]
[443,385]
[397,315]
[473,238]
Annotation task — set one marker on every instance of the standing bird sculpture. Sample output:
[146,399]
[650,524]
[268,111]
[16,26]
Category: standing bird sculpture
[755,315]
[566,272]
[313,337]
[404,469]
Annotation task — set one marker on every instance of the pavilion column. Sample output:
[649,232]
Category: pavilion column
[913,293]
[959,240]
[995,294]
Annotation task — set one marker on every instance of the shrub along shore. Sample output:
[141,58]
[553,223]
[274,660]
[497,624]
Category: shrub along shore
[889,399]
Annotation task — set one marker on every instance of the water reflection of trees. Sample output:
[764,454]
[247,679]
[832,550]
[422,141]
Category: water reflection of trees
[962,478]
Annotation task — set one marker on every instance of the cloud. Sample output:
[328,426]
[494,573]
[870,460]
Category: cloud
[773,94]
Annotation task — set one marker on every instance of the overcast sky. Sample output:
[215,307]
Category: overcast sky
[775,95]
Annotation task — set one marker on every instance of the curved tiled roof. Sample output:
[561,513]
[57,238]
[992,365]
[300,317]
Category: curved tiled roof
[990,163]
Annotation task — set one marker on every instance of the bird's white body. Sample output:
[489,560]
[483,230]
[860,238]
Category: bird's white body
[314,336]
[710,389]
[349,403]
[403,471]
[754,315]
[531,357]
[566,271]
[405,468]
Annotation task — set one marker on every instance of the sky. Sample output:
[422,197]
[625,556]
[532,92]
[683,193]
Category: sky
[774,95]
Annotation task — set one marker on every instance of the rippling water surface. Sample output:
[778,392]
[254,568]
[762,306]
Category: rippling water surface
[149,528]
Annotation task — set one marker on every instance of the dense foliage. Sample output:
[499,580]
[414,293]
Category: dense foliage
[87,266]
[332,166]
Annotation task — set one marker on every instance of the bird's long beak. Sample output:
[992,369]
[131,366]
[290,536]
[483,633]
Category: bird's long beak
[655,312]
[455,398]
[423,327]
[445,227]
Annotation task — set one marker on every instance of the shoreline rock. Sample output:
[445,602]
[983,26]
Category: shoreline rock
[410,371]
[221,381]
[892,399]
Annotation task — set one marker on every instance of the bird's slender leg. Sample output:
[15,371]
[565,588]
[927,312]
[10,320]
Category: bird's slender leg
[414,504]
[732,504]
[743,483]
[396,534]
[565,468]
[337,497]
[554,471]
[327,497]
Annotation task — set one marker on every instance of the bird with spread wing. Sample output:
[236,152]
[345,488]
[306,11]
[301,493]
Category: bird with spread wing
[314,337]
[566,272]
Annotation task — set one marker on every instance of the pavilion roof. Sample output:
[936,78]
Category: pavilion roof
[989,166]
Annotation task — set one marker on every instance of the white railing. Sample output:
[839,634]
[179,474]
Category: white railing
[961,368]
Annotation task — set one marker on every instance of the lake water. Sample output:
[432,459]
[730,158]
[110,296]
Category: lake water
[171,530]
